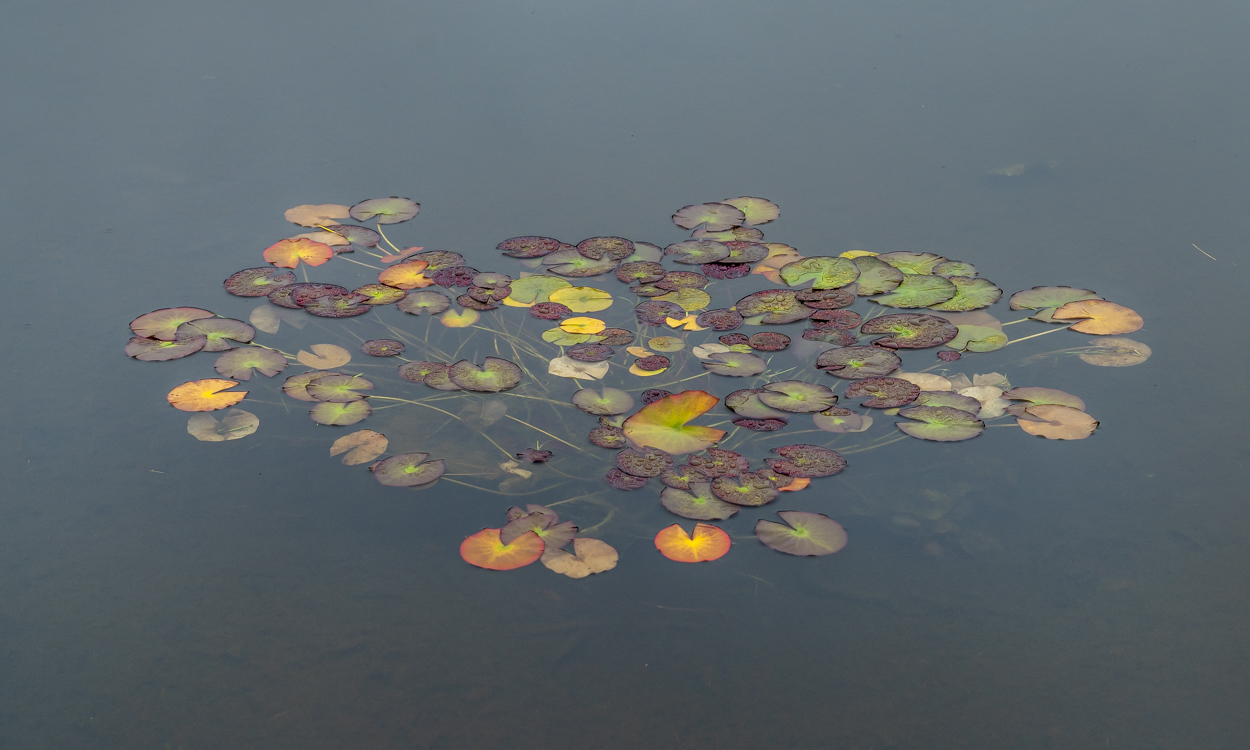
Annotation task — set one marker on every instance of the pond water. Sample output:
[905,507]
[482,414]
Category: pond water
[1006,591]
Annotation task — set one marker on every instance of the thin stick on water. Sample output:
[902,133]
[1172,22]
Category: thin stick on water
[388,239]
[366,265]
[1204,252]
[548,434]
[1043,333]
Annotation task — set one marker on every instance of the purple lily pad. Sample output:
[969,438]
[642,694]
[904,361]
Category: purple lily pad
[469,303]
[735,364]
[257,282]
[855,362]
[591,352]
[910,330]
[719,462]
[622,481]
[347,305]
[607,436]
[797,397]
[424,301]
[749,490]
[418,372]
[725,271]
[735,339]
[219,332]
[380,294]
[534,456]
[382,347]
[654,394]
[696,502]
[653,312]
[596,248]
[362,236]
[682,476]
[768,341]
[438,259]
[528,247]
[777,306]
[643,462]
[154,350]
[697,252]
[550,311]
[843,320]
[744,252]
[408,470]
[675,280]
[826,299]
[810,461]
[454,276]
[722,319]
[883,393]
[831,336]
[947,355]
[615,337]
[653,363]
[717,216]
[760,425]
[544,525]
[488,294]
[645,272]
[302,294]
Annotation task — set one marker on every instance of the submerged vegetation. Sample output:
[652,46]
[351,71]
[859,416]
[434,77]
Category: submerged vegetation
[670,344]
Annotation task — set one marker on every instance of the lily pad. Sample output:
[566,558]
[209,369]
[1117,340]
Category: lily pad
[338,389]
[492,376]
[970,294]
[154,350]
[644,252]
[918,290]
[549,311]
[748,489]
[439,259]
[582,325]
[1048,299]
[741,252]
[613,248]
[838,420]
[726,271]
[382,347]
[324,356]
[803,534]
[747,403]
[379,294]
[534,456]
[391,210]
[654,312]
[652,364]
[666,344]
[777,306]
[697,252]
[826,299]
[589,556]
[719,320]
[843,320]
[485,550]
[296,386]
[705,544]
[696,503]
[735,364]
[339,414]
[955,268]
[675,280]
[257,282]
[1061,422]
[529,247]
[1099,317]
[462,319]
[663,424]
[883,393]
[855,362]
[989,397]
[408,470]
[581,299]
[768,341]
[875,276]
[831,336]
[338,306]
[680,477]
[361,447]
[587,352]
[417,372]
[290,252]
[716,216]
[413,274]
[645,272]
[1115,351]
[607,436]
[643,462]
[622,481]
[205,395]
[797,397]
[719,462]
[978,339]
[234,424]
[362,236]
[910,330]
[454,276]
[951,399]
[756,210]
[561,337]
[689,300]
[810,461]
[240,363]
[533,289]
[312,215]
[943,424]
[163,324]
[607,402]
[567,367]
[543,523]
[1036,395]
[415,303]
[913,263]
[760,425]
[824,272]
[569,262]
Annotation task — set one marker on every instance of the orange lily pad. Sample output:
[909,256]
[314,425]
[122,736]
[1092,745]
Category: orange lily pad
[205,395]
[1062,422]
[361,447]
[1100,317]
[316,214]
[289,253]
[410,275]
[324,357]
[462,319]
[662,424]
[707,543]
[485,550]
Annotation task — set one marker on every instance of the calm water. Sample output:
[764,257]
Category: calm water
[159,592]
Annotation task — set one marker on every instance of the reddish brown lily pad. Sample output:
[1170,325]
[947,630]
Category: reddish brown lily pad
[622,481]
[643,462]
[257,282]
[768,341]
[596,248]
[748,489]
[654,312]
[529,247]
[382,347]
[777,306]
[719,320]
[719,462]
[883,393]
[855,362]
[810,461]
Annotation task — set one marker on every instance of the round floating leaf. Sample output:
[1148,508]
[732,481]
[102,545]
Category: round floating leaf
[797,397]
[613,248]
[719,320]
[155,350]
[529,247]
[943,424]
[810,461]
[875,276]
[587,352]
[654,312]
[379,294]
[913,263]
[948,356]
[741,253]
[454,276]
[534,456]
[1047,299]
[645,272]
[163,324]
[569,262]
[666,344]
[548,310]
[926,380]
[735,364]
[589,556]
[622,481]
[408,470]
[747,489]
[854,362]
[706,544]
[756,210]
[717,216]
[391,210]
[312,215]
[361,447]
[951,399]
[703,351]
[410,275]
[338,306]
[235,424]
[970,294]
[582,325]
[978,339]
[532,289]
[675,280]
[1115,352]
[726,270]
[415,303]
[918,290]
[650,365]
[662,424]
[718,462]
[777,306]
[462,319]
[1062,422]
[1035,395]
[289,253]
[644,252]
[257,282]
[697,252]
[839,420]
[439,259]
[337,242]
[831,336]
[363,236]
[687,299]
[561,337]
[955,268]
[296,386]
[883,393]
[324,357]
[826,299]
[760,425]
[749,234]
[331,413]
[824,272]
[697,503]
[205,395]
[580,299]
[606,436]
[809,534]
[493,376]
[382,347]
[605,403]
[768,341]
[747,403]
[485,550]
[990,399]
[566,367]
[418,372]
[910,330]
[1100,317]
[239,363]
[643,462]
[779,255]
[338,389]
[543,522]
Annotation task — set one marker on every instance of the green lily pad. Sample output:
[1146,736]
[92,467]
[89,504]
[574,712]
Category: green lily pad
[697,503]
[607,402]
[804,534]
[918,290]
[756,210]
[163,324]
[391,210]
[154,350]
[875,276]
[380,294]
[913,263]
[340,414]
[970,294]
[257,282]
[533,289]
[955,268]
[855,362]
[1038,396]
[561,337]
[338,389]
[978,339]
[774,306]
[797,397]
[943,424]
[494,375]
[910,330]
[838,420]
[570,262]
[748,489]
[424,301]
[408,470]
[219,332]
[1047,299]
[238,364]
[735,364]
[697,252]
[824,272]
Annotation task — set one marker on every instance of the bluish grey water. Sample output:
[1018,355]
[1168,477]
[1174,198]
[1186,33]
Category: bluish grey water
[159,592]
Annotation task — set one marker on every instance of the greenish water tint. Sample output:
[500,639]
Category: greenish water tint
[1007,591]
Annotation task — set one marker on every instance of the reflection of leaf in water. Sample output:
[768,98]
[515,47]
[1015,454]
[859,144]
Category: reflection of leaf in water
[361,447]
[234,424]
[1116,351]
[589,556]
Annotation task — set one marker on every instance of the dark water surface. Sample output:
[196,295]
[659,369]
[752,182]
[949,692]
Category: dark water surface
[256,593]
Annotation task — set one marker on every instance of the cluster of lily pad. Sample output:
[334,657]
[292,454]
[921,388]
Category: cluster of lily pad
[941,302]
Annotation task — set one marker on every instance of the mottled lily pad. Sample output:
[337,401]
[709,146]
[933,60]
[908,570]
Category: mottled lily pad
[572,263]
[644,272]
[654,312]
[534,456]
[607,436]
[955,268]
[615,337]
[719,462]
[918,290]
[1048,299]
[425,301]
[391,210]
[913,263]
[546,525]
[257,282]
[970,294]
[838,420]
[338,389]
[735,364]
[943,424]
[622,481]
[777,306]
[587,352]
[689,300]
[716,216]
[824,272]
[675,280]
[382,347]
[910,330]
[163,324]
[768,341]
[380,294]
[747,403]
[417,372]
[697,252]
[549,311]
[340,414]
[289,253]
[439,259]
[492,376]
[883,393]
[654,363]
[978,339]
[234,424]
[607,402]
[347,305]
[719,320]
[680,477]
[408,470]
[826,299]
[741,252]
[454,276]
[949,398]
[831,336]
[756,210]
[240,363]
[471,303]
[875,276]
[760,425]
[529,247]
[803,534]
[725,271]
[696,502]
[797,397]
[843,320]
[854,362]
[154,350]
[748,489]
[302,294]
[614,248]
[810,461]
[643,462]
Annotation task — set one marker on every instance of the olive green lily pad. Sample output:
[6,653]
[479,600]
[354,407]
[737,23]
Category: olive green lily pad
[534,289]
[943,424]
[391,210]
[570,262]
[494,375]
[331,413]
[949,398]
[804,534]
[408,470]
[824,272]
[163,324]
[918,290]
[735,364]
[913,263]
[697,503]
[757,210]
[1047,299]
[978,339]
[774,306]
[855,362]
[910,330]
[424,301]
[338,389]
[561,337]
[970,294]
[955,268]
[875,276]
[239,363]
[717,216]
[697,252]
[607,402]
[797,397]
[296,386]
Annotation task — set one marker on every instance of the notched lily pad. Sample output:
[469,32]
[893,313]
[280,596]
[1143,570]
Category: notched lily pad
[777,306]
[843,320]
[529,247]
[607,436]
[826,299]
[760,425]
[944,424]
[883,393]
[234,424]
[154,350]
[719,462]
[257,282]
[809,461]
[742,252]
[696,502]
[614,248]
[839,420]
[719,320]
[875,276]
[607,402]
[340,414]
[431,302]
[831,336]
[913,263]
[362,236]
[951,399]
[209,394]
[716,216]
[725,271]
[408,470]
[339,306]
[653,312]
[379,294]
[756,210]
[747,403]
[589,556]
[910,330]
[797,397]
[674,280]
[1048,299]
[970,294]
[587,352]
[163,324]
[680,477]
[855,362]
[622,481]
[1115,351]
[918,290]
[643,462]
[697,252]
[643,272]
[735,364]
[1036,395]
[768,341]
[391,210]
[492,376]
[803,534]
[382,347]
[824,272]
[338,389]
[748,489]
[240,363]
[1099,317]
[1058,422]
[571,263]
